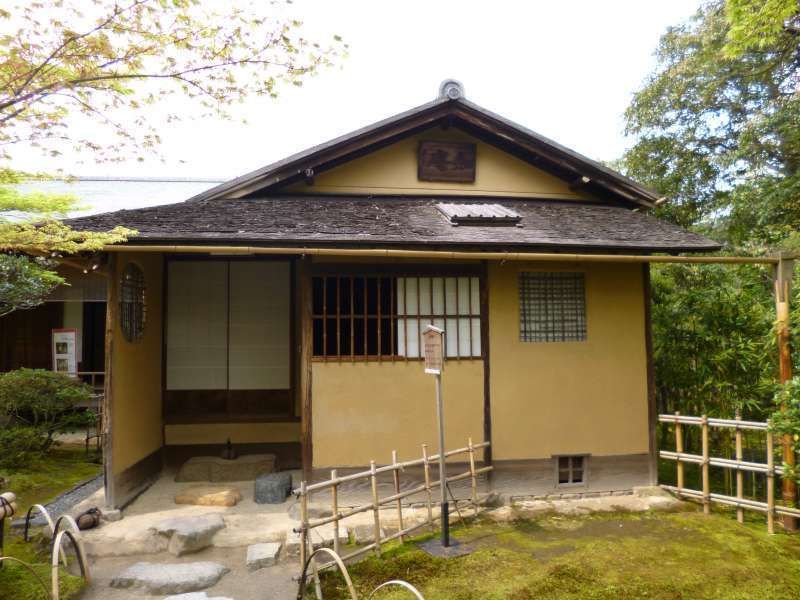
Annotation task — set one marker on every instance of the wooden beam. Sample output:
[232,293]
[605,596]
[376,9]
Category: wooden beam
[306,352]
[784,271]
[652,412]
[112,310]
[487,397]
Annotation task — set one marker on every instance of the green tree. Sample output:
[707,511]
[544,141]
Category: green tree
[115,64]
[717,131]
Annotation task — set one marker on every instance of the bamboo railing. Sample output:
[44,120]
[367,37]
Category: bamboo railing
[395,468]
[705,460]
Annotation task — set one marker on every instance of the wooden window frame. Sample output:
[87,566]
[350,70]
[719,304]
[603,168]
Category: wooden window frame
[583,468]
[391,273]
[544,297]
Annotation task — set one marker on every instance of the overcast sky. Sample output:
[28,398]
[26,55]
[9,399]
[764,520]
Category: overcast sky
[564,69]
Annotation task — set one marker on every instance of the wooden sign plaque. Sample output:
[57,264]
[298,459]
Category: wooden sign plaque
[446,161]
[433,343]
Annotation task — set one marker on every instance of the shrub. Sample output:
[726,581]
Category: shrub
[786,419]
[34,405]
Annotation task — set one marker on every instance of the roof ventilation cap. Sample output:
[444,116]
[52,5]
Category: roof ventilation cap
[452,89]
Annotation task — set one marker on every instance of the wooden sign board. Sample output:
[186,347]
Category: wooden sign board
[433,343]
[446,161]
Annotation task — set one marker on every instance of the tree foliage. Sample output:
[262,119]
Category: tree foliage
[716,129]
[719,133]
[114,62]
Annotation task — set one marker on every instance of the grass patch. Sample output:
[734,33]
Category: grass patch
[622,556]
[39,483]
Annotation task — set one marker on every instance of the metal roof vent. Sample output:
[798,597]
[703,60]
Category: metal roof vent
[452,89]
[479,214]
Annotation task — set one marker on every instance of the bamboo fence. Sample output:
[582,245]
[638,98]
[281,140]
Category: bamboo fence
[740,466]
[395,468]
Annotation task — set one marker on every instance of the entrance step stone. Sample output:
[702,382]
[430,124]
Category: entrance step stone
[262,555]
[273,488]
[189,534]
[209,495]
[160,578]
[218,469]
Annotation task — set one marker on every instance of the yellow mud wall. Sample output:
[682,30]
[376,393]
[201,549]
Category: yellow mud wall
[136,372]
[363,411]
[393,170]
[239,433]
[570,397]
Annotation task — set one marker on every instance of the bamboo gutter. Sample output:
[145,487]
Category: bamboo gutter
[444,254]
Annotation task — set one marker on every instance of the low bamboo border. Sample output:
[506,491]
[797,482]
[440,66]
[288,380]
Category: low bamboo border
[396,468]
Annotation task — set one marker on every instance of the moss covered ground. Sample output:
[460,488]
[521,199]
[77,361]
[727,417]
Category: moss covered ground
[39,483]
[681,555]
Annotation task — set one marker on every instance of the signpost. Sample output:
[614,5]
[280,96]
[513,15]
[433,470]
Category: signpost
[433,339]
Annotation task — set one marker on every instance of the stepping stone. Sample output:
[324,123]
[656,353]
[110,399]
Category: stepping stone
[196,596]
[273,488]
[160,578]
[365,534]
[209,495]
[189,534]
[315,511]
[262,555]
[320,536]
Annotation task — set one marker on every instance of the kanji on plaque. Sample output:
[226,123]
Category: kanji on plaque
[433,341]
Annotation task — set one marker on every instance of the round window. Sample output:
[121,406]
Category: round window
[131,304]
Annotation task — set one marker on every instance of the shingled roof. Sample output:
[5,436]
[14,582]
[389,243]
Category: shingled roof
[398,221]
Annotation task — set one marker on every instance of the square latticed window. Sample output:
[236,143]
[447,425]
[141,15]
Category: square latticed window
[571,470]
[552,307]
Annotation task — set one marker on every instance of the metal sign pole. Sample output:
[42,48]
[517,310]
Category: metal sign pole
[444,509]
[433,338]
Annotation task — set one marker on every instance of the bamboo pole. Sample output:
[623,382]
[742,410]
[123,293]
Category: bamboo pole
[396,478]
[739,472]
[427,472]
[679,450]
[770,484]
[335,511]
[303,523]
[376,512]
[443,254]
[706,485]
[473,476]
[784,272]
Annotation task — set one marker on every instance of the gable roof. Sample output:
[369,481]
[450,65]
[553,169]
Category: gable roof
[459,112]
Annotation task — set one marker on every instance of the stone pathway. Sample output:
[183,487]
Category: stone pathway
[166,578]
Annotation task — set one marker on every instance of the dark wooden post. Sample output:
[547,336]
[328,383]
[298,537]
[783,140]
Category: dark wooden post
[783,287]
[652,411]
[487,386]
[112,310]
[306,351]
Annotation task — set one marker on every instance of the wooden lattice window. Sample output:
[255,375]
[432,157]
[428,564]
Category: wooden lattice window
[381,317]
[132,308]
[552,307]
[571,470]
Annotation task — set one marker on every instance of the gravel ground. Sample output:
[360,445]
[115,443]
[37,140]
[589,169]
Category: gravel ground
[64,502]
